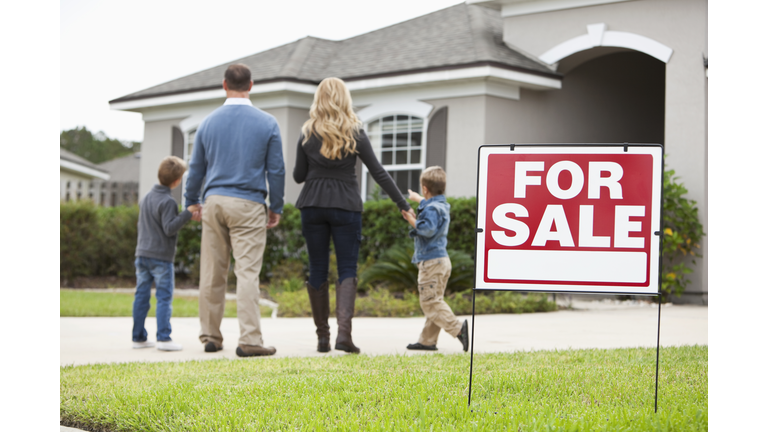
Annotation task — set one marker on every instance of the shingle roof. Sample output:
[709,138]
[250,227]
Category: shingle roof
[71,157]
[124,169]
[461,35]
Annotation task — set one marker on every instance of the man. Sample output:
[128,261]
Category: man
[238,151]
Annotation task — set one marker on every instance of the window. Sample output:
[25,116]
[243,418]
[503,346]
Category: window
[398,140]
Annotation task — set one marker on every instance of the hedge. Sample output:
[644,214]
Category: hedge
[101,241]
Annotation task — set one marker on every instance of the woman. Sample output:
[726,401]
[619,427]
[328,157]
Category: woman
[331,141]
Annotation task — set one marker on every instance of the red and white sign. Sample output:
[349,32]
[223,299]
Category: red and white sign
[569,218]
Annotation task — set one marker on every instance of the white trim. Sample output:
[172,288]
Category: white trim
[81,169]
[597,36]
[511,8]
[394,107]
[259,89]
[522,79]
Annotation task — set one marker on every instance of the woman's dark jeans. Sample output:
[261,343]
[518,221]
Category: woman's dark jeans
[318,225]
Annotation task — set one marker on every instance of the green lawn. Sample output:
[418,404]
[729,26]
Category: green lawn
[376,303]
[82,303]
[574,390]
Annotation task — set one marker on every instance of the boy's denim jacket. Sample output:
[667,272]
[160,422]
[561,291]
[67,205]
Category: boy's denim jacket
[430,237]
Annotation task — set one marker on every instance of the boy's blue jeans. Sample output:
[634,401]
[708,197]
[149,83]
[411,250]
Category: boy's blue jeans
[161,272]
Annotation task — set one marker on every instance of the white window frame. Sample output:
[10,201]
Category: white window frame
[395,167]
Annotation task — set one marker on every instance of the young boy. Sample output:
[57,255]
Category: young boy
[430,237]
[159,223]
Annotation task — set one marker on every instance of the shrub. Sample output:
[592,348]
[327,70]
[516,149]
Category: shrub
[77,230]
[396,270]
[682,234]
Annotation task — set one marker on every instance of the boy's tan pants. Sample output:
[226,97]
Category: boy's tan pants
[237,226]
[433,278]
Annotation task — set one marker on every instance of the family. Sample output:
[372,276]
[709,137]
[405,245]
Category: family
[237,162]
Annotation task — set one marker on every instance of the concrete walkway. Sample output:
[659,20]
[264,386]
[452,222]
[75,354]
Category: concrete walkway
[591,324]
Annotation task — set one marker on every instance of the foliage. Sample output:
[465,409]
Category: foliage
[461,234]
[395,268]
[563,390]
[499,302]
[682,234]
[77,226]
[383,227]
[101,241]
[96,148]
[293,302]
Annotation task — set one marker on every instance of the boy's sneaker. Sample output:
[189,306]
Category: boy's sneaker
[418,346]
[463,336]
[168,346]
[145,344]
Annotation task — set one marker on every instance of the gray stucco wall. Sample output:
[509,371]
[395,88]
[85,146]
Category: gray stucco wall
[156,147]
[466,132]
[678,24]
[290,120]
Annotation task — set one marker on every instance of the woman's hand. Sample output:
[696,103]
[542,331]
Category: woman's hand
[410,216]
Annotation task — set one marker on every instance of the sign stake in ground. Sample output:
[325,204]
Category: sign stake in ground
[569,218]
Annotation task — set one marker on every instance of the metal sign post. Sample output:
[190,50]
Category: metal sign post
[569,218]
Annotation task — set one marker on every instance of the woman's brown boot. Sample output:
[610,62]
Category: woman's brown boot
[318,300]
[345,310]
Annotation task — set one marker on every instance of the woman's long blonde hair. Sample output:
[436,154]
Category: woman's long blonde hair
[332,119]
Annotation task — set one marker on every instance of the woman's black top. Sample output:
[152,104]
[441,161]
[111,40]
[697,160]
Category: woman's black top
[333,183]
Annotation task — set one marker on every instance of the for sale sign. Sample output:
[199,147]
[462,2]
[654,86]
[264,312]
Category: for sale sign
[575,218]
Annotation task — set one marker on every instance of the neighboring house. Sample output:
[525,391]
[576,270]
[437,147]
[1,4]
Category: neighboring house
[432,89]
[76,175]
[123,185]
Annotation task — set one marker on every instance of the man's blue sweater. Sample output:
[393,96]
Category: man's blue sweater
[237,151]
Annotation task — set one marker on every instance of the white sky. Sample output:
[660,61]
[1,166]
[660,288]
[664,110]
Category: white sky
[113,48]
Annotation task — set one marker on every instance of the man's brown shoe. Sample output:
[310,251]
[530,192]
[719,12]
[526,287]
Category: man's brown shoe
[253,350]
[212,346]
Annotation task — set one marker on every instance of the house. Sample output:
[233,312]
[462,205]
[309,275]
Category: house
[432,89]
[76,177]
[123,185]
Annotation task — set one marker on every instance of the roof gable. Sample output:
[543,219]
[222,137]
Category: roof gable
[460,35]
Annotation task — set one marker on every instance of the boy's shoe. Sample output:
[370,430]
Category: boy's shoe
[212,346]
[145,344]
[168,346]
[253,351]
[418,346]
[463,336]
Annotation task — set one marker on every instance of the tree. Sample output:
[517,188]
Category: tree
[97,147]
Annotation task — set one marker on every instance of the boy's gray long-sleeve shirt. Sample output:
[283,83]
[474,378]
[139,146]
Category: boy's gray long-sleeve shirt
[159,224]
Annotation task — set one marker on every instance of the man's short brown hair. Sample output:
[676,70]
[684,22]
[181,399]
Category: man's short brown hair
[171,169]
[433,178]
[238,77]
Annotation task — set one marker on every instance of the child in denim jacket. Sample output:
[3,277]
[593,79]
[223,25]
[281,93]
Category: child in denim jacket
[430,237]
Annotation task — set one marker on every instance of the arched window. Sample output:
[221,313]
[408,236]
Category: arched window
[398,141]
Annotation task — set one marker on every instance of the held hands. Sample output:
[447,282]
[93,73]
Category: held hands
[410,216]
[197,212]
[274,219]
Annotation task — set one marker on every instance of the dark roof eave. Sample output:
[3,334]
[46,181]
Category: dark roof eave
[553,75]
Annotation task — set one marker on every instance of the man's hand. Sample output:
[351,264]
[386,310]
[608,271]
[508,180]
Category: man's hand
[274,219]
[197,212]
[413,196]
[410,216]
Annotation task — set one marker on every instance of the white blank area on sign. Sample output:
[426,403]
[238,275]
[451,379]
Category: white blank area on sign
[567,266]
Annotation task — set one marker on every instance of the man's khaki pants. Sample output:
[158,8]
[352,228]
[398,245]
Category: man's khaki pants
[237,226]
[433,278]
